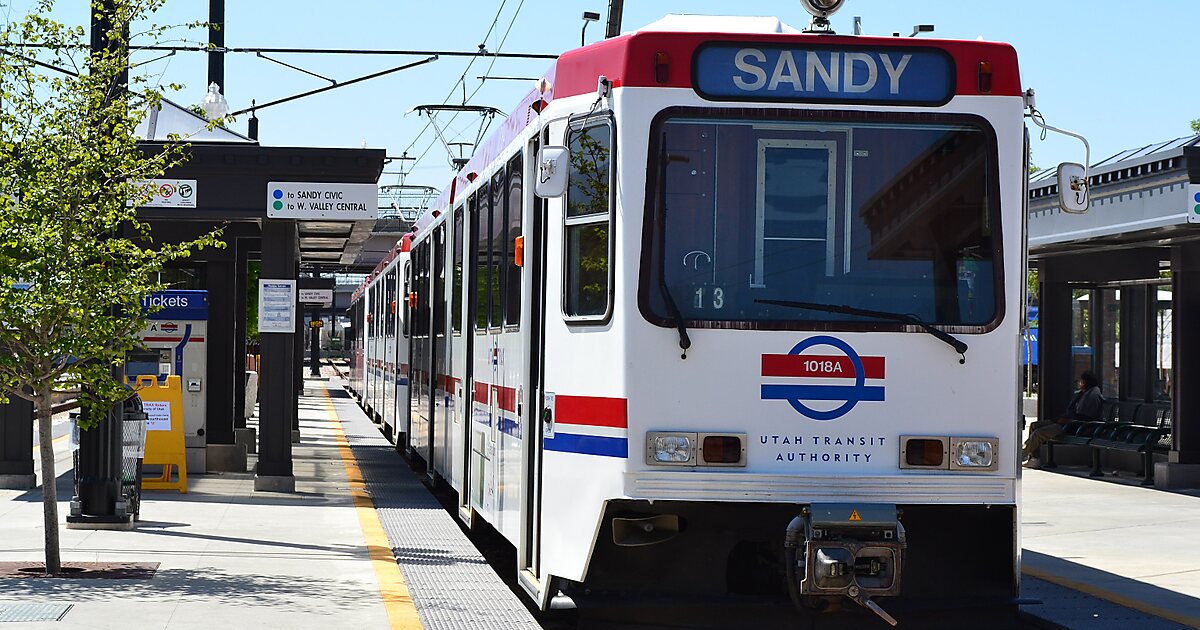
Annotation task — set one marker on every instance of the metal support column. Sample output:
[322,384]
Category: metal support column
[314,350]
[216,43]
[1134,344]
[222,366]
[1182,470]
[277,406]
[98,474]
[241,268]
[1055,380]
[16,445]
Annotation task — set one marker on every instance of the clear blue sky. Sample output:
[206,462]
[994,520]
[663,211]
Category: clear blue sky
[1120,77]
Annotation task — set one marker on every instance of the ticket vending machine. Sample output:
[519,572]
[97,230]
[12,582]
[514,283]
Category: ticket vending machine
[173,342]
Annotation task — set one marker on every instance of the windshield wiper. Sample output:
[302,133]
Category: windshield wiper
[660,219]
[959,346]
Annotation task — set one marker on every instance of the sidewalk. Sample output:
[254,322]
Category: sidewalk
[1132,546]
[228,556]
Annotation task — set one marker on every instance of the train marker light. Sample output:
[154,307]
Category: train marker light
[519,251]
[985,76]
[923,452]
[662,67]
[722,450]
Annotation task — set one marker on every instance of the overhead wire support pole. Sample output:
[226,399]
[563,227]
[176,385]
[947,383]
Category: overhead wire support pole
[335,86]
[615,9]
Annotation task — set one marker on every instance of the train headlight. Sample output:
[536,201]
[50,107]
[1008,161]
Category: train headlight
[671,449]
[973,453]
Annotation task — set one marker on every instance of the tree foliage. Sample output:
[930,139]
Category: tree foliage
[75,261]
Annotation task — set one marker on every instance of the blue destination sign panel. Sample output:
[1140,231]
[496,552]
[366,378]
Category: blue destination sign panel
[763,72]
[178,304]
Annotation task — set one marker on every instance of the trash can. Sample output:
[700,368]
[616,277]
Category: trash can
[133,449]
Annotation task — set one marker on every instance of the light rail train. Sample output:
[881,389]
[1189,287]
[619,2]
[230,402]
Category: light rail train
[729,312]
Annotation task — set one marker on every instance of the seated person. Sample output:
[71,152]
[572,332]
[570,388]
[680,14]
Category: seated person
[1085,405]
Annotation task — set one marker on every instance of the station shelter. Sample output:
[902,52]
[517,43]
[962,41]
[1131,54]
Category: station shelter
[223,183]
[1113,283]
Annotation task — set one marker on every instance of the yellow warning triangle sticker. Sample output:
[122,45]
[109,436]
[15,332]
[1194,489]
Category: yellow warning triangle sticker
[854,516]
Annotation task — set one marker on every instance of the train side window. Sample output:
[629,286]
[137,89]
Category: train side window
[406,313]
[512,272]
[498,253]
[479,269]
[588,224]
[389,305]
[456,288]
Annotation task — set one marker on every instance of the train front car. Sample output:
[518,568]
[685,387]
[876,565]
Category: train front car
[797,377]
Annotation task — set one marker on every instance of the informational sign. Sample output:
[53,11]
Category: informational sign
[763,72]
[170,193]
[316,296]
[316,323]
[1193,205]
[158,415]
[316,200]
[276,306]
[177,304]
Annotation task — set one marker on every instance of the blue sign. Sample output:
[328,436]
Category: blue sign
[763,72]
[178,304]
[809,367]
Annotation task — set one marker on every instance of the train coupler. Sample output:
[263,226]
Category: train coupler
[851,550]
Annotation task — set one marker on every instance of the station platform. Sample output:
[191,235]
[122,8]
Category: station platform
[361,544]
[364,544]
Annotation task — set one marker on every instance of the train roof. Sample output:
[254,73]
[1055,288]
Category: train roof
[629,60]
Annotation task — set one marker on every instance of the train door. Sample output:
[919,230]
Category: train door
[470,267]
[404,355]
[483,419]
[387,408]
[534,259]
[454,436]
[422,355]
[440,367]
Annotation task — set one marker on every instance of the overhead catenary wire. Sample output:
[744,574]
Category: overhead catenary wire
[462,80]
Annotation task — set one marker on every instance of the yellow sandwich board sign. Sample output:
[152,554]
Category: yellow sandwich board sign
[163,405]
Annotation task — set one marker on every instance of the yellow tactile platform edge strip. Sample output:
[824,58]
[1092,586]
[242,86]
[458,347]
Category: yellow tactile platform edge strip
[1116,598]
[401,610]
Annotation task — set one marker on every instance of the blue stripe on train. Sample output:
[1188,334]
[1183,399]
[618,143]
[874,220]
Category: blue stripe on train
[588,445]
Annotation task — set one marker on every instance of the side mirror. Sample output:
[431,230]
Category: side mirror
[552,170]
[1073,194]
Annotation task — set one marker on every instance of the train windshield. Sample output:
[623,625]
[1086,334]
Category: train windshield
[894,214]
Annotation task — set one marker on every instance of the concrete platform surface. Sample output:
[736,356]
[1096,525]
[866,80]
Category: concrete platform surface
[1135,547]
[229,557]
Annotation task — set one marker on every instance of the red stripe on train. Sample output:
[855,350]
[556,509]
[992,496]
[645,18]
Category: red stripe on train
[592,411]
[506,397]
[819,366]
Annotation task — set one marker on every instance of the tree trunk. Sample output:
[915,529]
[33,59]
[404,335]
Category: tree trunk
[42,405]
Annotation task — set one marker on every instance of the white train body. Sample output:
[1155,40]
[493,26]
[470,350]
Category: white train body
[725,168]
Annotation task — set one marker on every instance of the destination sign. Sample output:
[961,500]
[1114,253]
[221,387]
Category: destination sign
[827,74]
[321,200]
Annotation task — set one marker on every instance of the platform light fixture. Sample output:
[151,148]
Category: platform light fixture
[214,104]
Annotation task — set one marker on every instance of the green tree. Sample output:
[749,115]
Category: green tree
[1195,125]
[75,262]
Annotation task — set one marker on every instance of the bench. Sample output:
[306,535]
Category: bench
[1132,438]
[1143,428]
